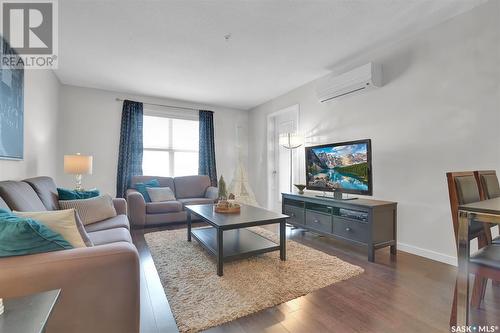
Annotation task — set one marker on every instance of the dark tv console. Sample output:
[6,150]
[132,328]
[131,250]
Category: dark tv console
[371,223]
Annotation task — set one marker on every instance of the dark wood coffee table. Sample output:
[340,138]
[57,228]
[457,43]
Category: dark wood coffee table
[227,239]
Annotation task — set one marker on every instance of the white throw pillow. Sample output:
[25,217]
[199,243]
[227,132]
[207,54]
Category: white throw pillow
[61,221]
[158,194]
[91,210]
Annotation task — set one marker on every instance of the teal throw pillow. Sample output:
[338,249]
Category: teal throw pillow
[22,236]
[142,188]
[66,194]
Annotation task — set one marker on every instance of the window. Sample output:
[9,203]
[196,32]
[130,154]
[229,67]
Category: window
[170,146]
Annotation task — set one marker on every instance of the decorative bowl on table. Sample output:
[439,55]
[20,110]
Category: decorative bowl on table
[227,207]
[300,187]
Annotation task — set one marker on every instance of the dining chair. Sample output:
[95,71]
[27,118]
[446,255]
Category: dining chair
[489,188]
[463,188]
[485,264]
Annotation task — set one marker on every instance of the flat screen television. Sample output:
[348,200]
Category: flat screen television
[343,167]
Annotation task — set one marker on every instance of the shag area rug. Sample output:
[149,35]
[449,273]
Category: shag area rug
[200,299]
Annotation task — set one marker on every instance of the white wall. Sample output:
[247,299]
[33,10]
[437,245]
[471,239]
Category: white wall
[41,95]
[91,119]
[438,111]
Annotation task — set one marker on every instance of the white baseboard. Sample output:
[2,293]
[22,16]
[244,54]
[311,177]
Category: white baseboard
[444,258]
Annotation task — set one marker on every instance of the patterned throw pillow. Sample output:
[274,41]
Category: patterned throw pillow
[66,194]
[22,236]
[65,222]
[142,188]
[158,194]
[91,210]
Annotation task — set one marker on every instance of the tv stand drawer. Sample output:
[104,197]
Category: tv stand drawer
[318,221]
[353,230]
[296,214]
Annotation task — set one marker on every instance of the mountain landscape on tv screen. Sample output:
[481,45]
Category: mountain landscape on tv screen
[341,167]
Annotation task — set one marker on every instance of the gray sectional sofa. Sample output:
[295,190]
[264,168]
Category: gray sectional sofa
[188,190]
[100,284]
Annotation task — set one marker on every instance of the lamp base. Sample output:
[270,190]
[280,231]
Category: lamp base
[78,186]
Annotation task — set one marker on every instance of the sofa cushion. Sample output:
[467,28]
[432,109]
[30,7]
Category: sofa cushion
[20,196]
[46,190]
[67,194]
[163,207]
[23,236]
[142,188]
[164,181]
[119,221]
[102,237]
[92,210]
[191,186]
[160,194]
[196,201]
[120,205]
[64,222]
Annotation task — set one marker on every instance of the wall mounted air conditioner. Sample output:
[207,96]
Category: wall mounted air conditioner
[360,79]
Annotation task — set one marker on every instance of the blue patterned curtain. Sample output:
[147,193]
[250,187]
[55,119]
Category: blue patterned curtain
[130,153]
[207,147]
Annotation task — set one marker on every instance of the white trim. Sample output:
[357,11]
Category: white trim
[270,129]
[433,255]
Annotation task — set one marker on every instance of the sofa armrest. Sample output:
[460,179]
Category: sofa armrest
[120,206]
[100,289]
[212,193]
[136,208]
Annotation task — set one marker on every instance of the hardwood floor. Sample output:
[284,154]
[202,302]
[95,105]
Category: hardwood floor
[156,315]
[406,293]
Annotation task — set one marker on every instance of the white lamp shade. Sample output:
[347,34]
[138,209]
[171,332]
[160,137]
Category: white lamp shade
[78,164]
[291,140]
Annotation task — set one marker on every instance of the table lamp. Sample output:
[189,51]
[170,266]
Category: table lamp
[78,165]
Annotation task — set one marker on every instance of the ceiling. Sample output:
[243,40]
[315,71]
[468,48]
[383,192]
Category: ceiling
[178,49]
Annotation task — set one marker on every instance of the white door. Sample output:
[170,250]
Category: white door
[283,121]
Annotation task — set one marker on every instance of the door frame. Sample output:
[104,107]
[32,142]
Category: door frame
[271,144]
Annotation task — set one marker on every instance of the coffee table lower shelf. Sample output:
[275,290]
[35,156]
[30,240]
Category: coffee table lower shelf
[237,243]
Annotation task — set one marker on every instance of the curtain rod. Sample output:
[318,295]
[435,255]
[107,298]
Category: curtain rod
[165,105]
